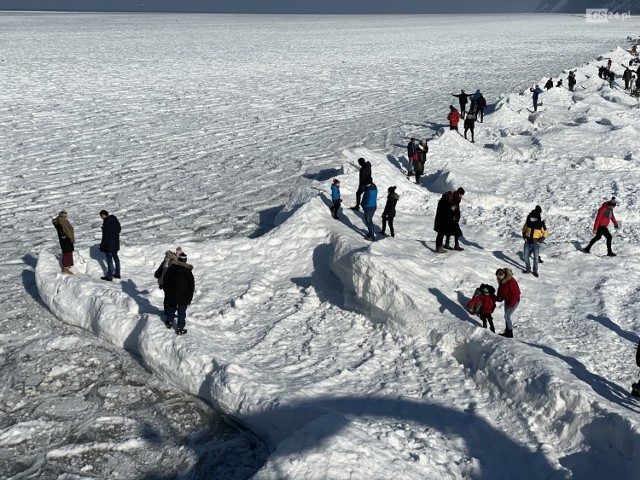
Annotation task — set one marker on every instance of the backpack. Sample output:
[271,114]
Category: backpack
[478,306]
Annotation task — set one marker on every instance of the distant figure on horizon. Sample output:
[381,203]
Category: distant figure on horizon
[462,100]
[179,286]
[454,118]
[603,217]
[626,76]
[612,78]
[411,150]
[110,244]
[481,104]
[536,93]
[559,83]
[364,179]
[509,292]
[66,237]
[389,212]
[470,125]
[335,198]
[369,205]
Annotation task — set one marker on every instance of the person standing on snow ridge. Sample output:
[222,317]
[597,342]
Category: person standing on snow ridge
[179,286]
[335,198]
[626,76]
[470,124]
[411,150]
[454,228]
[442,222]
[66,237]
[534,232]
[462,100]
[572,80]
[364,179]
[110,244]
[611,78]
[418,165]
[536,93]
[162,271]
[454,118]
[481,104]
[549,84]
[474,101]
[509,292]
[369,205]
[389,212]
[603,217]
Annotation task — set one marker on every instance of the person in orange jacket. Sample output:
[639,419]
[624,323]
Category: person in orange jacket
[604,216]
[453,117]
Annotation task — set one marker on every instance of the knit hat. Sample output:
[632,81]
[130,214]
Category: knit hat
[104,212]
[460,191]
[612,202]
[500,271]
[182,257]
[538,209]
[391,189]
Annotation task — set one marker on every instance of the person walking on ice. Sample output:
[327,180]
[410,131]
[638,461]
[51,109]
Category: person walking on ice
[509,292]
[162,271]
[66,237]
[335,198]
[364,178]
[369,205]
[389,211]
[110,244]
[534,232]
[603,217]
[454,118]
[411,150]
[179,286]
[536,93]
[462,100]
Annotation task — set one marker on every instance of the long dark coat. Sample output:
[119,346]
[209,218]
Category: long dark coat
[65,242]
[179,284]
[444,214]
[110,235]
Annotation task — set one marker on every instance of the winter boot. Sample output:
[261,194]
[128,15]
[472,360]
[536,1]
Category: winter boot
[168,323]
[507,333]
[67,271]
[611,254]
[181,331]
[458,248]
[441,250]
[585,250]
[447,246]
[484,324]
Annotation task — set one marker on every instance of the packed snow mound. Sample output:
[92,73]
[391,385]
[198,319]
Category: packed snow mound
[347,356]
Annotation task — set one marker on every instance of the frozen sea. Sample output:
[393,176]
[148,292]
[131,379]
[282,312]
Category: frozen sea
[193,128]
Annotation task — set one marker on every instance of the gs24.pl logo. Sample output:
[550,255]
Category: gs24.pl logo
[603,15]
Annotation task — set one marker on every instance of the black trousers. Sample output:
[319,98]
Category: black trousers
[359,194]
[601,232]
[388,220]
[439,239]
[335,208]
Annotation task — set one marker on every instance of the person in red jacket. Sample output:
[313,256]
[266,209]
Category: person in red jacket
[453,117]
[484,304]
[509,292]
[604,216]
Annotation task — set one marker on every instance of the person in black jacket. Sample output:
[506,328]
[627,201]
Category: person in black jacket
[470,125]
[549,84]
[389,212]
[481,104]
[635,388]
[179,286]
[411,150]
[454,229]
[572,80]
[462,100]
[364,179]
[442,223]
[110,244]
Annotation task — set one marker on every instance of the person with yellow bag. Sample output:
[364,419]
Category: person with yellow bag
[534,232]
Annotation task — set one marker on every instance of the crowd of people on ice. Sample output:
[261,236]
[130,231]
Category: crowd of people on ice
[447,218]
[175,276]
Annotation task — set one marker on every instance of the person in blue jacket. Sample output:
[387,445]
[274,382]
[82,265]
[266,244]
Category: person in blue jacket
[335,197]
[110,244]
[474,101]
[369,204]
[536,93]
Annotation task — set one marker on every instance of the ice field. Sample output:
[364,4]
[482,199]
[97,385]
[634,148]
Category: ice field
[345,359]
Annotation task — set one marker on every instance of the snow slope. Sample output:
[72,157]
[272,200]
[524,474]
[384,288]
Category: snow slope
[349,357]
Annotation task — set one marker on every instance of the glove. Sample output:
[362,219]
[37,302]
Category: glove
[161,287]
[616,226]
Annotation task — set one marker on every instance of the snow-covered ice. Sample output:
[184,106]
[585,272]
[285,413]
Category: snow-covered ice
[346,358]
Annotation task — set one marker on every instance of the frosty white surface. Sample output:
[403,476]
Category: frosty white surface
[193,129]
